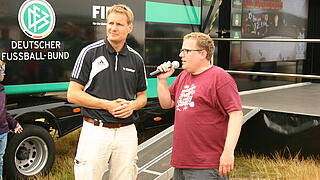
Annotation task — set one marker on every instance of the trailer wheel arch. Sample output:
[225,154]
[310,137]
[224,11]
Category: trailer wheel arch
[43,119]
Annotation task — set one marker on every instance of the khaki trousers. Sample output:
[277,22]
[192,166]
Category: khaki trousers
[101,149]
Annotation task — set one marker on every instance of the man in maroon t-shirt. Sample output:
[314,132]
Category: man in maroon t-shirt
[208,112]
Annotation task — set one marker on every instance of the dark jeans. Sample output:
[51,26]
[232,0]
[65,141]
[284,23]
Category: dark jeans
[197,174]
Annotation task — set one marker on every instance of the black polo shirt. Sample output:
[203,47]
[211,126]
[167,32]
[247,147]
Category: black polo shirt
[106,74]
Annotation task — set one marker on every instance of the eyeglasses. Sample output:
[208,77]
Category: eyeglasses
[186,51]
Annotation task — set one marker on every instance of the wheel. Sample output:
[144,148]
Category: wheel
[29,153]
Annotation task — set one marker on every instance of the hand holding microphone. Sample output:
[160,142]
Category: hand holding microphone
[165,67]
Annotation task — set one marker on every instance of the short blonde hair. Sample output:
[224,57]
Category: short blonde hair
[203,42]
[2,63]
[121,8]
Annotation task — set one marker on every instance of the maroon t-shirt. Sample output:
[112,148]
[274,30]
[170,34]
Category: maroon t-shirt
[202,104]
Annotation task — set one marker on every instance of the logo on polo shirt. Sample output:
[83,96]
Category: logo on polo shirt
[98,65]
[101,63]
[128,69]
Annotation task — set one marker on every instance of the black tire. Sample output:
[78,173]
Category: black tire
[29,153]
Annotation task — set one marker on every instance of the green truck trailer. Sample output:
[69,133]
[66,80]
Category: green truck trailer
[41,39]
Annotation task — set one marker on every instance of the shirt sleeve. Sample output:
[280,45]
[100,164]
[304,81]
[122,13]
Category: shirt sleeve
[228,98]
[82,67]
[12,123]
[142,77]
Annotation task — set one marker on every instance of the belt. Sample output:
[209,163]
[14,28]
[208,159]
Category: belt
[107,125]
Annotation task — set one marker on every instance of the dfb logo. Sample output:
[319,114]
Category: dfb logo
[36,18]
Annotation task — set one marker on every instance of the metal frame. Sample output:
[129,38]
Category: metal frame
[274,74]
[267,40]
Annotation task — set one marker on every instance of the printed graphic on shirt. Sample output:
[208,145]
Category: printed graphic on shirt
[98,65]
[185,99]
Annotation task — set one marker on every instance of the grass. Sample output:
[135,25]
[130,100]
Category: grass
[276,167]
[247,167]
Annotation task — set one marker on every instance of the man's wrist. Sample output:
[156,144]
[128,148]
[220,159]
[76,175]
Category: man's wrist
[134,105]
[228,151]
[105,104]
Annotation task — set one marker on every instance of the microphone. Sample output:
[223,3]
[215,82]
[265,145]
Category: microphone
[174,65]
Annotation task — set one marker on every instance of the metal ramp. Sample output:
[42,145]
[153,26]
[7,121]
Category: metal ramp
[300,98]
[155,153]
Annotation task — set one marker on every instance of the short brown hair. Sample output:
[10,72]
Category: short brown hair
[121,8]
[203,42]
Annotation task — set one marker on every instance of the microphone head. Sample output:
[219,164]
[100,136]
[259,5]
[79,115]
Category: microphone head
[175,64]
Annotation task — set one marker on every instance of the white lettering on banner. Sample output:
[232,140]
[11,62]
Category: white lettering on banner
[35,44]
[29,50]
[58,55]
[99,14]
[99,10]
[37,56]
[23,56]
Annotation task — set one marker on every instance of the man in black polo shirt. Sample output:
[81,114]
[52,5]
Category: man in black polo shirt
[109,82]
